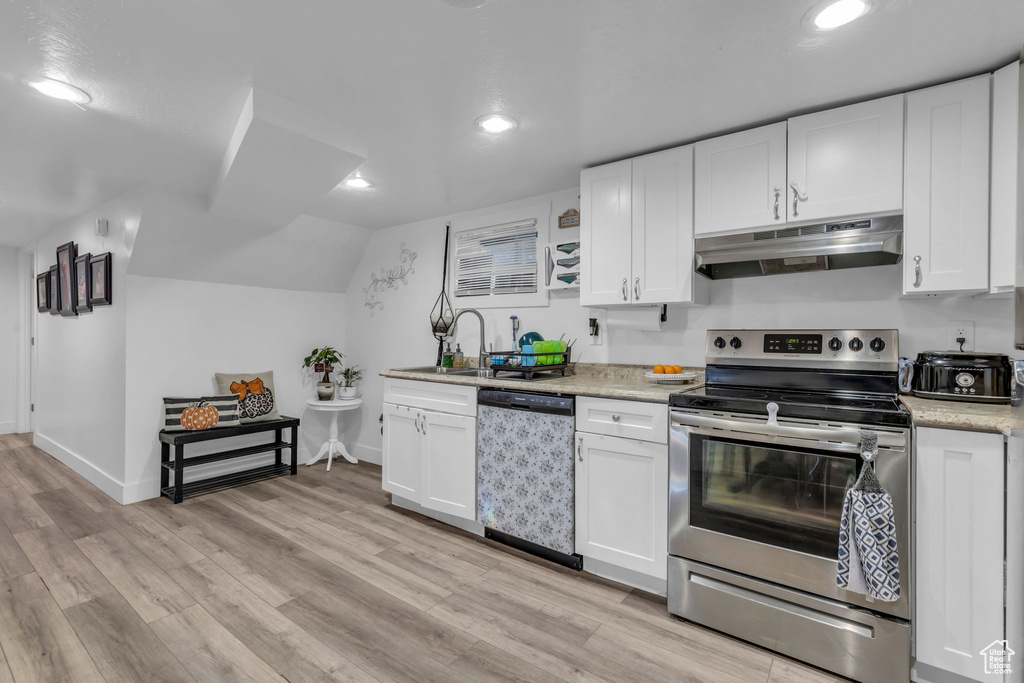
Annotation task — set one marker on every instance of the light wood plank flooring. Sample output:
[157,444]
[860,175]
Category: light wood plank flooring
[313,578]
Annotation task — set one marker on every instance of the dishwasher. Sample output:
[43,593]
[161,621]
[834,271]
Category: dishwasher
[525,472]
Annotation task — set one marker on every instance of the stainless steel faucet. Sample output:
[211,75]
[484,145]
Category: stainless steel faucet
[483,346]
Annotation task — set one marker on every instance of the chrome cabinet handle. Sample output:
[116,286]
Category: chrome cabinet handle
[625,296]
[778,192]
[917,271]
[579,449]
[616,417]
[424,424]
[636,289]
[416,423]
[797,196]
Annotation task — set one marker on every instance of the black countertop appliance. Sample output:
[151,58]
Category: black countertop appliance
[968,376]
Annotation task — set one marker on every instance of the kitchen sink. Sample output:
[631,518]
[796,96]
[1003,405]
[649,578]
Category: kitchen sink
[458,372]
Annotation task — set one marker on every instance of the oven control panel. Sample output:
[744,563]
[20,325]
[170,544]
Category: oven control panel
[865,349]
[792,343]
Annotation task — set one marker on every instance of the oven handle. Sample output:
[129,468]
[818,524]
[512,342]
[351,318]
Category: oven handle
[846,436]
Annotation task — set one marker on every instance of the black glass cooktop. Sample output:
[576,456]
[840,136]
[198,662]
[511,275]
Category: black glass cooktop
[867,409]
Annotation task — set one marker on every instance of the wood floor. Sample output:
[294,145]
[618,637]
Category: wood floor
[307,579]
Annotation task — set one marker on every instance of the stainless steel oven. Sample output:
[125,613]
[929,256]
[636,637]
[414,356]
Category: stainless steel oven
[758,476]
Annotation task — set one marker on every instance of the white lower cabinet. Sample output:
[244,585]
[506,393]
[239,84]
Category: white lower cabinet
[429,457]
[961,524]
[622,502]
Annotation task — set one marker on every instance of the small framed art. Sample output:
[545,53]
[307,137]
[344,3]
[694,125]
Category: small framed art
[54,299]
[43,292]
[83,283]
[99,274]
[65,279]
[569,219]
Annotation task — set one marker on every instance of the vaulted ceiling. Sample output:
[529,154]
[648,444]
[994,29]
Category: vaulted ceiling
[588,80]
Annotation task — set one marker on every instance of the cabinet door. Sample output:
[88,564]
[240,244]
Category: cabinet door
[663,228]
[846,162]
[959,562]
[448,474]
[740,181]
[1005,251]
[402,451]
[622,502]
[945,225]
[606,234]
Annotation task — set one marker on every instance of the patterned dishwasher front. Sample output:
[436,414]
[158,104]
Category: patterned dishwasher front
[526,476]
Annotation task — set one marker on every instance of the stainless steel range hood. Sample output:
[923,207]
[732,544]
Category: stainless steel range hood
[827,246]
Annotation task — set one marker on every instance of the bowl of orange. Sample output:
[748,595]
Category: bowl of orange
[670,374]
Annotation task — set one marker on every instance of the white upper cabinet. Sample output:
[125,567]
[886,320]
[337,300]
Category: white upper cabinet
[740,181]
[606,233]
[636,231]
[846,162]
[946,220]
[1006,245]
[663,227]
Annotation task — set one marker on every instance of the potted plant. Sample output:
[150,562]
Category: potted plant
[347,383]
[323,360]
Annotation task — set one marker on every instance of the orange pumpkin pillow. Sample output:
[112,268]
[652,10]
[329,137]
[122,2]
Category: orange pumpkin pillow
[197,414]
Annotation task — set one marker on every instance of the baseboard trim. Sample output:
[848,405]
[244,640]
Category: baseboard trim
[470,525]
[103,481]
[372,454]
[8,427]
[630,577]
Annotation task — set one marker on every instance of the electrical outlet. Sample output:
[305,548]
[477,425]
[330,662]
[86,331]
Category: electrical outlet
[960,329]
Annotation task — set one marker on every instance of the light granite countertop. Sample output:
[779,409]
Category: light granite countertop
[976,417]
[627,382]
[588,379]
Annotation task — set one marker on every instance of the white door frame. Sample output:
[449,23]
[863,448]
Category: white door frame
[24,418]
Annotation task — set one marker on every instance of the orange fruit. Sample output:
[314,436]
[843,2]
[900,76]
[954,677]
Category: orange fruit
[676,369]
[659,370]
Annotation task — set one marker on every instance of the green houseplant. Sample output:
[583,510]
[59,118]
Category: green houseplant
[323,360]
[347,383]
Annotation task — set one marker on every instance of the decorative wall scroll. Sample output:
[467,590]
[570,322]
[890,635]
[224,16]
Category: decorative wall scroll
[391,278]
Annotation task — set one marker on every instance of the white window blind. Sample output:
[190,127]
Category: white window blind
[497,259]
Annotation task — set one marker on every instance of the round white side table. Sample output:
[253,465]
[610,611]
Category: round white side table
[332,445]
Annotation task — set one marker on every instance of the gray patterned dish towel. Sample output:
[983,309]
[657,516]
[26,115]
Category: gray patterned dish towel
[869,561]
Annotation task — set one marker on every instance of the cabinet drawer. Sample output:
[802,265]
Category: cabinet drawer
[628,419]
[445,398]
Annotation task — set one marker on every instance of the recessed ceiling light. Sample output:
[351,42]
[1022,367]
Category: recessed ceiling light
[358,182]
[839,13]
[495,123]
[60,90]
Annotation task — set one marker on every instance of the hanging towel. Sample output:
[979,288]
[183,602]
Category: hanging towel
[869,561]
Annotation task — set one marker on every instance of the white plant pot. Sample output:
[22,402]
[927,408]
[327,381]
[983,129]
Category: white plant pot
[347,392]
[325,391]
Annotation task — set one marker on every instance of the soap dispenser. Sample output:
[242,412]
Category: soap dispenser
[446,359]
[459,359]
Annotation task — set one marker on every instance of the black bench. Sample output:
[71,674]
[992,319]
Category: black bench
[179,490]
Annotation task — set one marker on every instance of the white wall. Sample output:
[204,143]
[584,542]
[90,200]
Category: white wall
[79,383]
[179,333]
[399,334]
[10,332]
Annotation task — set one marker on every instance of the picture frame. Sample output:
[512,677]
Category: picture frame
[51,275]
[66,254]
[99,276]
[569,219]
[43,292]
[83,283]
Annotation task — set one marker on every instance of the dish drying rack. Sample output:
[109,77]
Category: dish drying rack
[516,362]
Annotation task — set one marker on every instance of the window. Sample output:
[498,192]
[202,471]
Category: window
[499,259]
[495,259]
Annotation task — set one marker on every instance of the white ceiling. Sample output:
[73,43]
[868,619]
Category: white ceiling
[588,80]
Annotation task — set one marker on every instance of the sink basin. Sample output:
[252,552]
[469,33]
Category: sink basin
[460,372]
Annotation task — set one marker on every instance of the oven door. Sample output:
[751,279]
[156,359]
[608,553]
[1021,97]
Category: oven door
[766,501]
